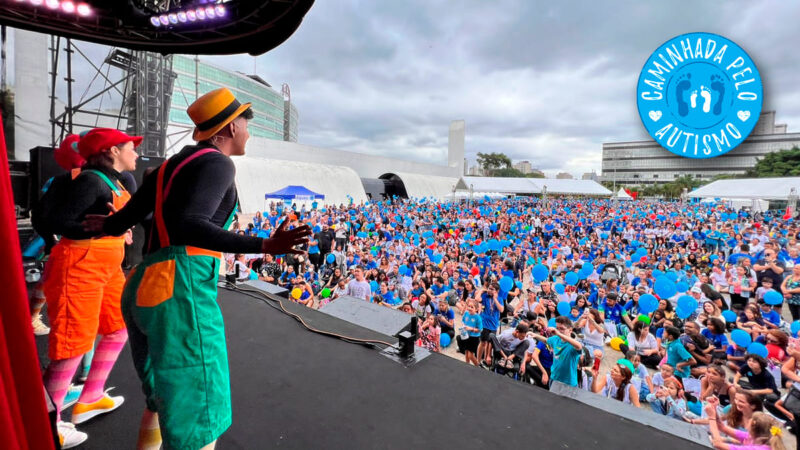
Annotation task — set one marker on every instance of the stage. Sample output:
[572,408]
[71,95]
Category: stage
[296,389]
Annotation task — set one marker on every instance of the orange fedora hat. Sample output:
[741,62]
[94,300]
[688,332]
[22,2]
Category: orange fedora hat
[211,112]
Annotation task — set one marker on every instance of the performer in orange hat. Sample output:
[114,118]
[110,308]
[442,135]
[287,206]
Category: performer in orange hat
[85,280]
[170,299]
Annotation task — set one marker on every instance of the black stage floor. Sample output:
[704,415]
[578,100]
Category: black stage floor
[296,389]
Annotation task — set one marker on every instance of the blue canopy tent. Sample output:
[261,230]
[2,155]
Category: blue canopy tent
[294,193]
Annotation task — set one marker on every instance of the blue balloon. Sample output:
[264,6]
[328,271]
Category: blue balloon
[687,302]
[506,284]
[403,269]
[657,273]
[330,258]
[604,235]
[587,268]
[571,278]
[672,276]
[795,327]
[664,287]
[628,263]
[563,308]
[647,303]
[741,338]
[559,288]
[682,286]
[757,348]
[444,340]
[437,258]
[429,241]
[683,313]
[540,273]
[729,316]
[373,285]
[551,323]
[518,284]
[773,297]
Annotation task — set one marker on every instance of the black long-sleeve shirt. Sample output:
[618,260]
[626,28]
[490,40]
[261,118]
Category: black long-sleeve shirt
[201,198]
[86,194]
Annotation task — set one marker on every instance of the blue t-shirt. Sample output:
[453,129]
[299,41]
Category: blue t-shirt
[718,340]
[772,317]
[490,314]
[474,321]
[438,289]
[613,313]
[545,355]
[677,353]
[565,361]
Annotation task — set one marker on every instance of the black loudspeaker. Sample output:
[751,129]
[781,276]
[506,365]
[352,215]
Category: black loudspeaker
[20,186]
[144,163]
[43,167]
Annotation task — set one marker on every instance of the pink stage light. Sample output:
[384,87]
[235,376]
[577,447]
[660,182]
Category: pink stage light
[84,10]
[220,10]
[68,7]
[164,20]
[201,13]
[36,2]
[210,12]
[181,17]
[155,22]
[173,18]
[191,15]
[52,4]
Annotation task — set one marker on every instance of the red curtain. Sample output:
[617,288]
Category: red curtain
[24,422]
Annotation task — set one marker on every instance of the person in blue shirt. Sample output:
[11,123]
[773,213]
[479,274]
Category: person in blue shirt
[772,318]
[612,311]
[566,353]
[542,358]
[677,355]
[446,317]
[473,325]
[744,252]
[490,315]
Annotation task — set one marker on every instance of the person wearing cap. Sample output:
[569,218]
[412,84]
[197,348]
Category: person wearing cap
[85,278]
[183,362]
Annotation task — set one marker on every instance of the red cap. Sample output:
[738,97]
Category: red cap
[102,139]
[66,155]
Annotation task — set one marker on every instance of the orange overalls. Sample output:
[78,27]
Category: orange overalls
[83,287]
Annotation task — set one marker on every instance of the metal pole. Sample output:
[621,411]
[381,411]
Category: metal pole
[55,50]
[196,77]
[3,58]
[69,80]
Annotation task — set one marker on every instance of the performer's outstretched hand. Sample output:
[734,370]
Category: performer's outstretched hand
[284,241]
[93,223]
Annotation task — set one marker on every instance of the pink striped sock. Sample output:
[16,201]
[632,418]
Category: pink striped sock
[105,355]
[57,378]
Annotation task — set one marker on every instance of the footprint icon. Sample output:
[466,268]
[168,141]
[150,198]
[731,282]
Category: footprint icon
[693,99]
[683,85]
[706,94]
[718,86]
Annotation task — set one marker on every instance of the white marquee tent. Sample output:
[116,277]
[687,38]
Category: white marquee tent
[533,186]
[749,188]
[622,195]
[257,176]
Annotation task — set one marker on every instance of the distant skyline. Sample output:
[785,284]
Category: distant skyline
[546,82]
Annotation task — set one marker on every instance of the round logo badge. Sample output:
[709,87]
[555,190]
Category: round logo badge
[699,95]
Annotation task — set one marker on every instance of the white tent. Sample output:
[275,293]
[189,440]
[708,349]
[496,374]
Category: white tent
[749,188]
[533,186]
[427,186]
[257,176]
[622,195]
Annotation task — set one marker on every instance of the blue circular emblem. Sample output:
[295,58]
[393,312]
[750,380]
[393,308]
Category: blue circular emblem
[699,95]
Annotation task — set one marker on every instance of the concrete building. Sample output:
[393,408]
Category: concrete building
[590,176]
[646,162]
[524,167]
[564,176]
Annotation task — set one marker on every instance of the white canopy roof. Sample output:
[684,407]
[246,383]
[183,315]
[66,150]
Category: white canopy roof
[257,176]
[622,195]
[427,186]
[532,186]
[760,188]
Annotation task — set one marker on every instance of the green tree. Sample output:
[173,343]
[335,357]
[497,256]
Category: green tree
[507,172]
[535,174]
[491,162]
[783,163]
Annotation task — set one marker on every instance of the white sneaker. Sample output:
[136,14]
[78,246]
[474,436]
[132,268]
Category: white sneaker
[607,340]
[69,436]
[39,328]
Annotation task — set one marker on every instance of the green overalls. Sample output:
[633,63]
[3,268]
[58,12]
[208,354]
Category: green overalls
[177,336]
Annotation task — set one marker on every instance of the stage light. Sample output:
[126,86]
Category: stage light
[181,17]
[210,12]
[173,18]
[164,19]
[84,10]
[68,7]
[221,11]
[154,20]
[36,2]
[52,4]
[201,13]
[190,14]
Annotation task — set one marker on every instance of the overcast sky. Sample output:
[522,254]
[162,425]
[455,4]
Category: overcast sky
[547,82]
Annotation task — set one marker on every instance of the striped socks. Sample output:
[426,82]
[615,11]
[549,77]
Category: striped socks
[105,355]
[57,379]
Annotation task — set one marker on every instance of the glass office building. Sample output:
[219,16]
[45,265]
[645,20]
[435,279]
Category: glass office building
[272,113]
[646,162]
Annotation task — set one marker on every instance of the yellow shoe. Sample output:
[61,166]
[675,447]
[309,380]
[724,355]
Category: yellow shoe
[85,411]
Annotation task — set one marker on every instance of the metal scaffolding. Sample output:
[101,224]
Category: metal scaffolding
[137,98]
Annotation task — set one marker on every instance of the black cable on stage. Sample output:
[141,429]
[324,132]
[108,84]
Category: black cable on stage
[251,292]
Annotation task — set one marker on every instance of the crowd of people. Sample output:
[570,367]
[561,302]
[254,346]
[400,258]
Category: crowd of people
[688,299]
